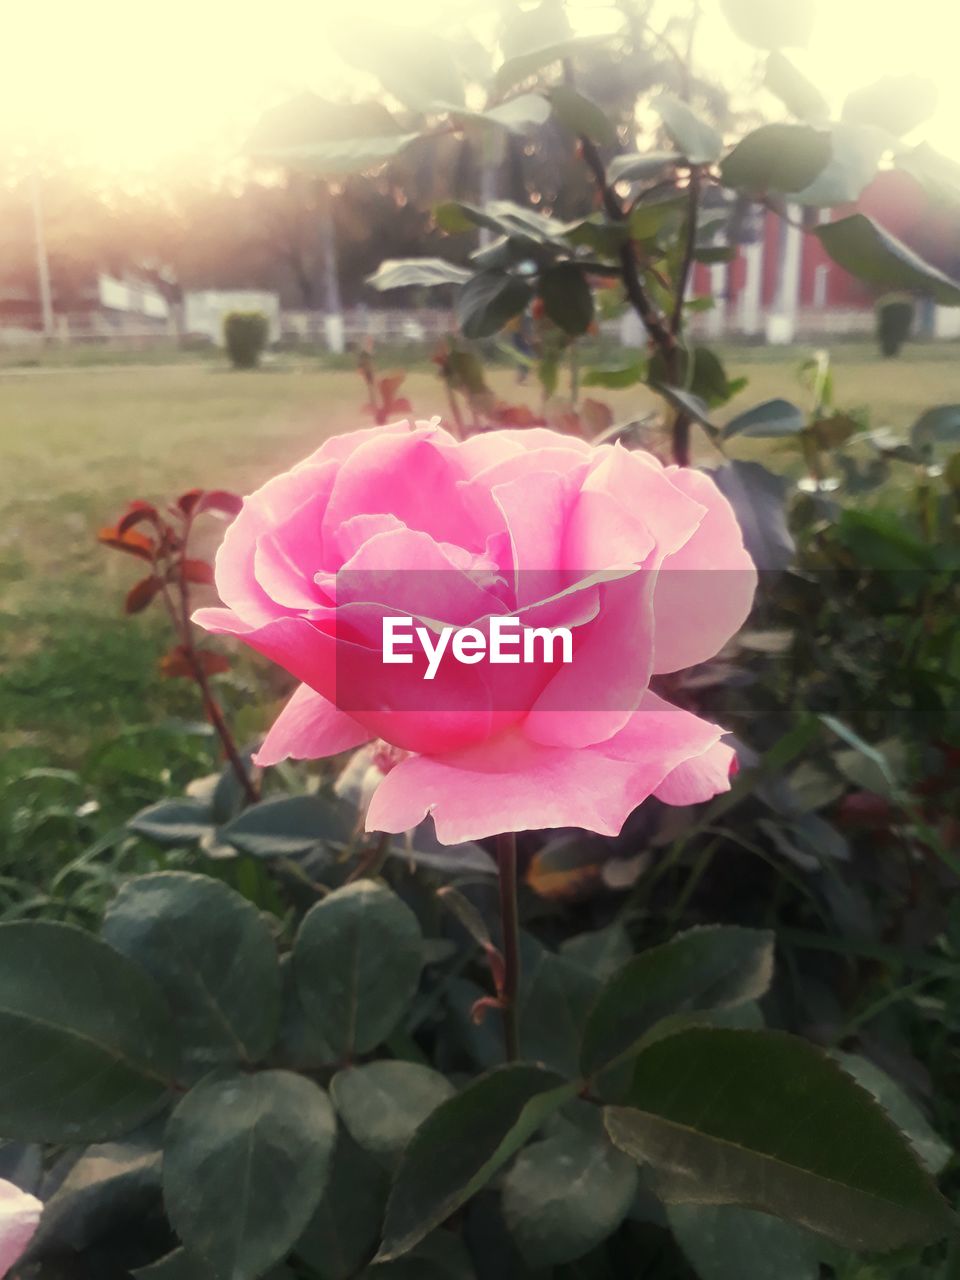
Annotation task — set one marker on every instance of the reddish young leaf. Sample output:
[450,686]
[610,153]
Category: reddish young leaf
[137,513]
[197,571]
[187,501]
[402,405]
[517,415]
[135,544]
[221,500]
[141,594]
[389,386]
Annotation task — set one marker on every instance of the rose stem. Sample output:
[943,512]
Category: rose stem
[509,920]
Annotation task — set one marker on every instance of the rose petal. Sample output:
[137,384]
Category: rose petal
[512,784]
[698,779]
[19,1218]
[705,589]
[309,727]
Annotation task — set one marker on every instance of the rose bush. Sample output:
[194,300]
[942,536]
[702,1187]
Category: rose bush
[19,1216]
[644,563]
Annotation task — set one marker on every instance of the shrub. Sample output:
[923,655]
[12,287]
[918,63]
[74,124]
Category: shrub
[245,335]
[894,314]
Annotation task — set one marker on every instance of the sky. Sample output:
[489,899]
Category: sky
[137,86]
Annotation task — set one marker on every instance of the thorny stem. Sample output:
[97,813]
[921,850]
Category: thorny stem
[183,628]
[509,922]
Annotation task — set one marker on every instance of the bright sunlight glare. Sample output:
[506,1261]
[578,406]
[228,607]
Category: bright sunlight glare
[131,88]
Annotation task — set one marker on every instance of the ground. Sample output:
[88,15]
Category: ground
[77,442]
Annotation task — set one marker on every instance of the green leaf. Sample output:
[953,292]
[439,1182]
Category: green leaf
[421,273]
[687,403]
[357,960]
[766,1121]
[244,1166]
[717,967]
[709,253]
[569,1191]
[798,95]
[694,138]
[173,822]
[865,766]
[930,1148]
[382,1104]
[767,421]
[344,1230]
[777,157]
[640,167]
[648,220]
[211,954]
[489,300]
[937,426]
[110,1184]
[300,1044]
[555,999]
[856,153]
[582,116]
[567,298]
[759,499]
[723,1242]
[442,1256]
[459,1148]
[615,377]
[287,826]
[177,1265]
[602,952]
[896,104]
[87,1046]
[770,24]
[863,248]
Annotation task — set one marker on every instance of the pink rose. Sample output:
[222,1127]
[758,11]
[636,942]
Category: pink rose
[19,1216]
[644,565]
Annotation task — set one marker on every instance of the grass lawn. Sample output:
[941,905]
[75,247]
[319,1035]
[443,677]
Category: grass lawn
[77,443]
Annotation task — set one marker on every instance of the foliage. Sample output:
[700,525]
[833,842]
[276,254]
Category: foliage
[245,336]
[895,315]
[283,1052]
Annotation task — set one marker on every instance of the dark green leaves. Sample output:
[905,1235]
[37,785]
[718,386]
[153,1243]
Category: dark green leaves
[173,822]
[766,421]
[896,104]
[758,497]
[581,116]
[213,957]
[489,300]
[244,1166]
[777,157]
[356,962]
[937,426]
[421,273]
[87,1048]
[727,1243]
[711,968]
[766,1121]
[567,299]
[864,249]
[615,376]
[569,1191]
[697,140]
[287,826]
[637,167]
[770,24]
[382,1104]
[462,1144]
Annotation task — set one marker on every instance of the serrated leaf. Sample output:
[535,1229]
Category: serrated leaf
[567,298]
[287,826]
[777,157]
[717,967]
[902,1110]
[211,954]
[245,1162]
[765,1121]
[357,960]
[766,421]
[489,300]
[569,1191]
[87,1046]
[383,1104]
[866,250]
[459,1148]
[420,273]
[694,138]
